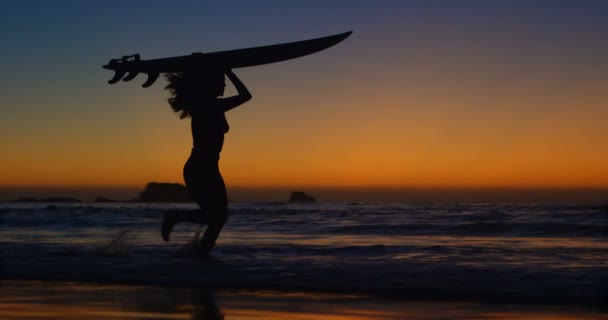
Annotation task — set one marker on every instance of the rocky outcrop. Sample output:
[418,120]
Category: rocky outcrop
[165,192]
[301,197]
[103,200]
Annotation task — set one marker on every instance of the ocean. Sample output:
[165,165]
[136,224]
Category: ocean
[553,255]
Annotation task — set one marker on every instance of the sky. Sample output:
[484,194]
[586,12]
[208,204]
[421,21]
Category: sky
[424,94]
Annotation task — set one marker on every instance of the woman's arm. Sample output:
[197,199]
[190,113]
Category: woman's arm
[243,94]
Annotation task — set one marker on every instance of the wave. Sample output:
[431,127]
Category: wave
[476,229]
[402,250]
[438,281]
[461,220]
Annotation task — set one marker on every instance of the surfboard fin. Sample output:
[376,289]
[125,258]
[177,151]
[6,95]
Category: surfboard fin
[117,76]
[130,76]
[152,76]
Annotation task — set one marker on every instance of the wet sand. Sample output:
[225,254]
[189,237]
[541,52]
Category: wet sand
[67,300]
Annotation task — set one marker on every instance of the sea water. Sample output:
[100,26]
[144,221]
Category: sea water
[547,254]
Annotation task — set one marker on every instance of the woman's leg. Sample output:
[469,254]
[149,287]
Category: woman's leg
[194,178]
[218,213]
[207,187]
[212,233]
[171,218]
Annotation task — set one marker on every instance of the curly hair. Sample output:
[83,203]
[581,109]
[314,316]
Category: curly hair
[187,88]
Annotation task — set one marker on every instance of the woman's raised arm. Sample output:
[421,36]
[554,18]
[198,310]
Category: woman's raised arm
[243,94]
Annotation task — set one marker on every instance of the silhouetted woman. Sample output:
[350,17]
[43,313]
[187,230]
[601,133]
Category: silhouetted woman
[195,95]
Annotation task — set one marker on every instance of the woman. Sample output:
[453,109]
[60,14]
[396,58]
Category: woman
[195,95]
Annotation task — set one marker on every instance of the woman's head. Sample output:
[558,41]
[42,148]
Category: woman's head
[192,88]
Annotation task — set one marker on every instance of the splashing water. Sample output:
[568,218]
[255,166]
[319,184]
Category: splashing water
[192,248]
[118,245]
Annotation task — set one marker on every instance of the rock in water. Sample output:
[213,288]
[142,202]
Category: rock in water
[301,197]
[165,192]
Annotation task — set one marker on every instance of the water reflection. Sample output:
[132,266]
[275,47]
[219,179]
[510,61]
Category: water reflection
[204,306]
[45,300]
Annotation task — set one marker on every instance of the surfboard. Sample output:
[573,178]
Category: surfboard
[128,67]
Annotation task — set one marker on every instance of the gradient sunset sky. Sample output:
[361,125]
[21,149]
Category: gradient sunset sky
[423,94]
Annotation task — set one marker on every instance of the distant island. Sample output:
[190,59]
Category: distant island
[156,192]
[165,192]
[301,197]
[47,200]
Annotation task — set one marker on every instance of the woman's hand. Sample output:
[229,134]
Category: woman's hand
[243,94]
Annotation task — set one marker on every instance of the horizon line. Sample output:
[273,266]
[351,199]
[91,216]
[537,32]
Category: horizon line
[595,195]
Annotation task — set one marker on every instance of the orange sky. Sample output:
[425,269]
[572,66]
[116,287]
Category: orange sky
[443,99]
